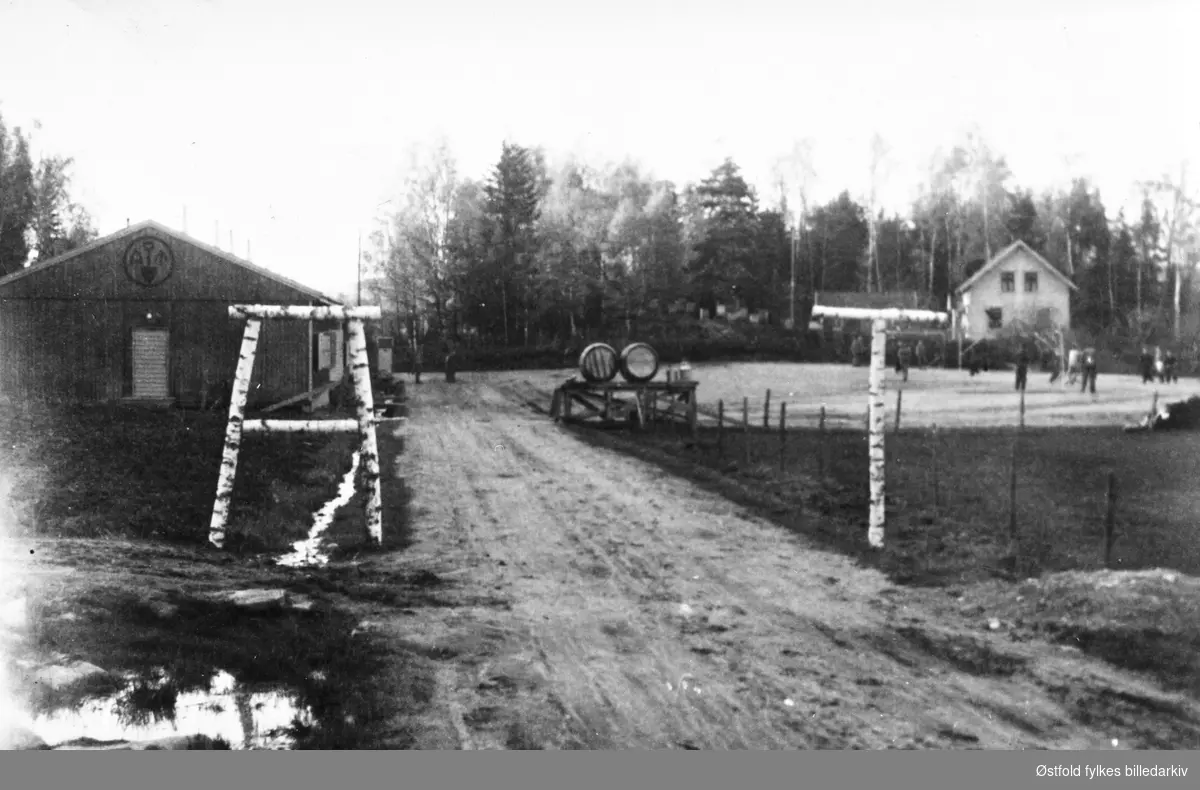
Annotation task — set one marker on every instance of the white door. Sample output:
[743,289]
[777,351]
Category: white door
[150,363]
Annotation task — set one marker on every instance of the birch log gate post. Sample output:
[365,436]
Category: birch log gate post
[233,433]
[875,447]
[238,425]
[364,400]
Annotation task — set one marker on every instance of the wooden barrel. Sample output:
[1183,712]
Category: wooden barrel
[598,363]
[639,363]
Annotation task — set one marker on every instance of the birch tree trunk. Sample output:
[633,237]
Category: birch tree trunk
[875,392]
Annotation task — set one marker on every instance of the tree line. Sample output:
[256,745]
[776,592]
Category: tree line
[38,218]
[536,254]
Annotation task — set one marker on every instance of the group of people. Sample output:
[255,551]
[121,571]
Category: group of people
[1159,364]
[1081,364]
[1078,362]
[860,352]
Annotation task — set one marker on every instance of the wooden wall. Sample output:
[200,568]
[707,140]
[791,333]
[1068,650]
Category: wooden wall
[65,332]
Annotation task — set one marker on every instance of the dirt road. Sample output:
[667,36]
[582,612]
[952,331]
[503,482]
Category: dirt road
[592,602]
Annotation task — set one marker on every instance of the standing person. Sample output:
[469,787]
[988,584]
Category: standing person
[1055,366]
[856,350]
[1072,366]
[1089,370]
[1169,374]
[922,357]
[1022,369]
[973,362]
[905,359]
[1159,364]
[1146,365]
[416,361]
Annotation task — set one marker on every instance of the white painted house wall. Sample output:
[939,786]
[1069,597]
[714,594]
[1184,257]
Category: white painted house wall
[1048,304]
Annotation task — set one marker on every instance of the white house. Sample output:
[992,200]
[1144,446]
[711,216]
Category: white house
[1017,286]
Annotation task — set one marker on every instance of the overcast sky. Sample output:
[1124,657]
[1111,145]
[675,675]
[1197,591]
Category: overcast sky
[288,122]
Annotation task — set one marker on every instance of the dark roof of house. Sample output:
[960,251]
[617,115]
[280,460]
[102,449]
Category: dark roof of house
[910,300]
[163,229]
[1005,254]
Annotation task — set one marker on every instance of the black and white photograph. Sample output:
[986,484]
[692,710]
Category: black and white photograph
[625,376]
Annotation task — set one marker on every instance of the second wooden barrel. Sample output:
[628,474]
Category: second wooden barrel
[598,363]
[639,363]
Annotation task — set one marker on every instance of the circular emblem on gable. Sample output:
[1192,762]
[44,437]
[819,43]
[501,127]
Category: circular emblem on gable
[148,261]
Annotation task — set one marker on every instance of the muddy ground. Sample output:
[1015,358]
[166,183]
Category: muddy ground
[553,593]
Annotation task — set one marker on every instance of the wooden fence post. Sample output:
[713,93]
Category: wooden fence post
[899,404]
[720,428]
[1110,518]
[821,453]
[746,429]
[1153,410]
[1012,481]
[933,444]
[767,411]
[783,436]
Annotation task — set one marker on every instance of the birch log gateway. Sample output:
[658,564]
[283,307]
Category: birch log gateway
[877,469]
[364,423]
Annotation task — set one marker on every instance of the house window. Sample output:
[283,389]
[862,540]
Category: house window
[1007,282]
[1030,282]
[995,317]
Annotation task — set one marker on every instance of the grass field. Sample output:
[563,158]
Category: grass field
[948,492]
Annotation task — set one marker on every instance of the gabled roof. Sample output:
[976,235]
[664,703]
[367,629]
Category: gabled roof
[907,300]
[133,230]
[1005,254]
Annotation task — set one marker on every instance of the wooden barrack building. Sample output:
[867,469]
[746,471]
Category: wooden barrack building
[142,315]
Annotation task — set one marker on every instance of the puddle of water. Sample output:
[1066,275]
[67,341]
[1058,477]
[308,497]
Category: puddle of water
[149,709]
[311,551]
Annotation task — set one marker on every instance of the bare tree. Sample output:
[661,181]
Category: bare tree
[795,171]
[1181,226]
[878,171]
[417,265]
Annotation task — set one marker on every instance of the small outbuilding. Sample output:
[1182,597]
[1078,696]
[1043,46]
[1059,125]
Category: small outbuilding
[142,316]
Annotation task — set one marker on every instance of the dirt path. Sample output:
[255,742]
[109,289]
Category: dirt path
[593,602]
